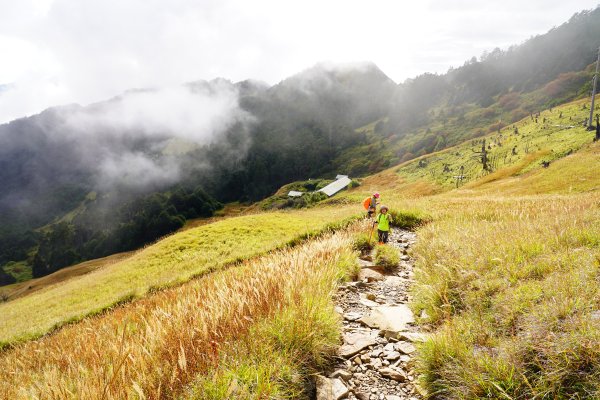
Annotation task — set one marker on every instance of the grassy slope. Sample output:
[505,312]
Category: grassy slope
[507,276]
[173,260]
[198,340]
[534,143]
[11,292]
[507,271]
[510,286]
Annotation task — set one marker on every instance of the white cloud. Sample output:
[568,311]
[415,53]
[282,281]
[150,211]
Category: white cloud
[66,51]
[196,114]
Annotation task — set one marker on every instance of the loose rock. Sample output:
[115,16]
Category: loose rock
[394,374]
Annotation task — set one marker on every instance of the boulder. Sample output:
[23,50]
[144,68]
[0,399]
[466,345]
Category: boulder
[352,316]
[405,347]
[368,303]
[341,373]
[370,275]
[412,336]
[393,374]
[330,389]
[340,391]
[389,318]
[355,342]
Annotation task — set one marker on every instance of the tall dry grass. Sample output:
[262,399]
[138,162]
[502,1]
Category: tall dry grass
[511,287]
[214,337]
[169,262]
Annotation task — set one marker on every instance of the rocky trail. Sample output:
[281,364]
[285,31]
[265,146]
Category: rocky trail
[375,361]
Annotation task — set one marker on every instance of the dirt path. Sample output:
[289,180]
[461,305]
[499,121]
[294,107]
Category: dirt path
[376,359]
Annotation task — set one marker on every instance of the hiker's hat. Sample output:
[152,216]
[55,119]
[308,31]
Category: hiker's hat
[376,195]
[384,208]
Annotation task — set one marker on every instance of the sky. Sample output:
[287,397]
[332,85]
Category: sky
[55,52]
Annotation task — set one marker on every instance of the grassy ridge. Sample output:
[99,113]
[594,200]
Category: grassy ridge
[171,261]
[198,340]
[555,134]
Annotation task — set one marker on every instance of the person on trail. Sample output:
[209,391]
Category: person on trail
[383,222]
[372,205]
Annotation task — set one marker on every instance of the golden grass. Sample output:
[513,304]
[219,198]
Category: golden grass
[171,261]
[213,337]
[510,285]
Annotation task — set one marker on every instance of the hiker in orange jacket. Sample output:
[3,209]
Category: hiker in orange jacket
[372,206]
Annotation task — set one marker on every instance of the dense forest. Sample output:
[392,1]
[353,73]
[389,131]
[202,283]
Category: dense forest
[55,211]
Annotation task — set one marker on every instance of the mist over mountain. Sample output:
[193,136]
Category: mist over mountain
[80,182]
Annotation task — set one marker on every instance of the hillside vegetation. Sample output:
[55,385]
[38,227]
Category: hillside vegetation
[506,282]
[509,264]
[323,121]
[510,287]
[171,261]
[199,341]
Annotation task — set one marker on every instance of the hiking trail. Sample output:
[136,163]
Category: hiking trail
[375,361]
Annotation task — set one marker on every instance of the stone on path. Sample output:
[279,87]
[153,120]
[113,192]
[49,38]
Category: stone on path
[324,388]
[365,263]
[355,342]
[352,316]
[340,390]
[342,373]
[368,303]
[370,275]
[412,336]
[394,280]
[330,389]
[405,347]
[393,374]
[389,318]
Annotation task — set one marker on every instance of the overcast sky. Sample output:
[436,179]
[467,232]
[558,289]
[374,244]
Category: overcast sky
[79,51]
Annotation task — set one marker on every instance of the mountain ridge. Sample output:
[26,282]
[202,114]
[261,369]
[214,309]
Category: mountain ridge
[322,121]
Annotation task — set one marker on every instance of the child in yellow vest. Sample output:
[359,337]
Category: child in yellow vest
[383,222]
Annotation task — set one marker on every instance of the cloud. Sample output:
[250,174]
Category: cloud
[190,112]
[82,51]
[196,114]
[140,139]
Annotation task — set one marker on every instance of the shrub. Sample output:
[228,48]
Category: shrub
[407,219]
[363,244]
[387,257]
[354,183]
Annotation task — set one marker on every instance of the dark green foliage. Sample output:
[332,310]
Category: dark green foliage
[6,279]
[132,225]
[55,250]
[283,201]
[407,219]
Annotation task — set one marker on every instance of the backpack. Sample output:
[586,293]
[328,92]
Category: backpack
[367,203]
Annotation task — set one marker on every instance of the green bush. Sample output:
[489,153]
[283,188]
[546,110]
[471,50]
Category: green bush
[387,257]
[353,183]
[407,219]
[362,243]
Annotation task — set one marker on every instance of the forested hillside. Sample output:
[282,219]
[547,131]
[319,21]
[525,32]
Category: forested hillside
[76,187]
